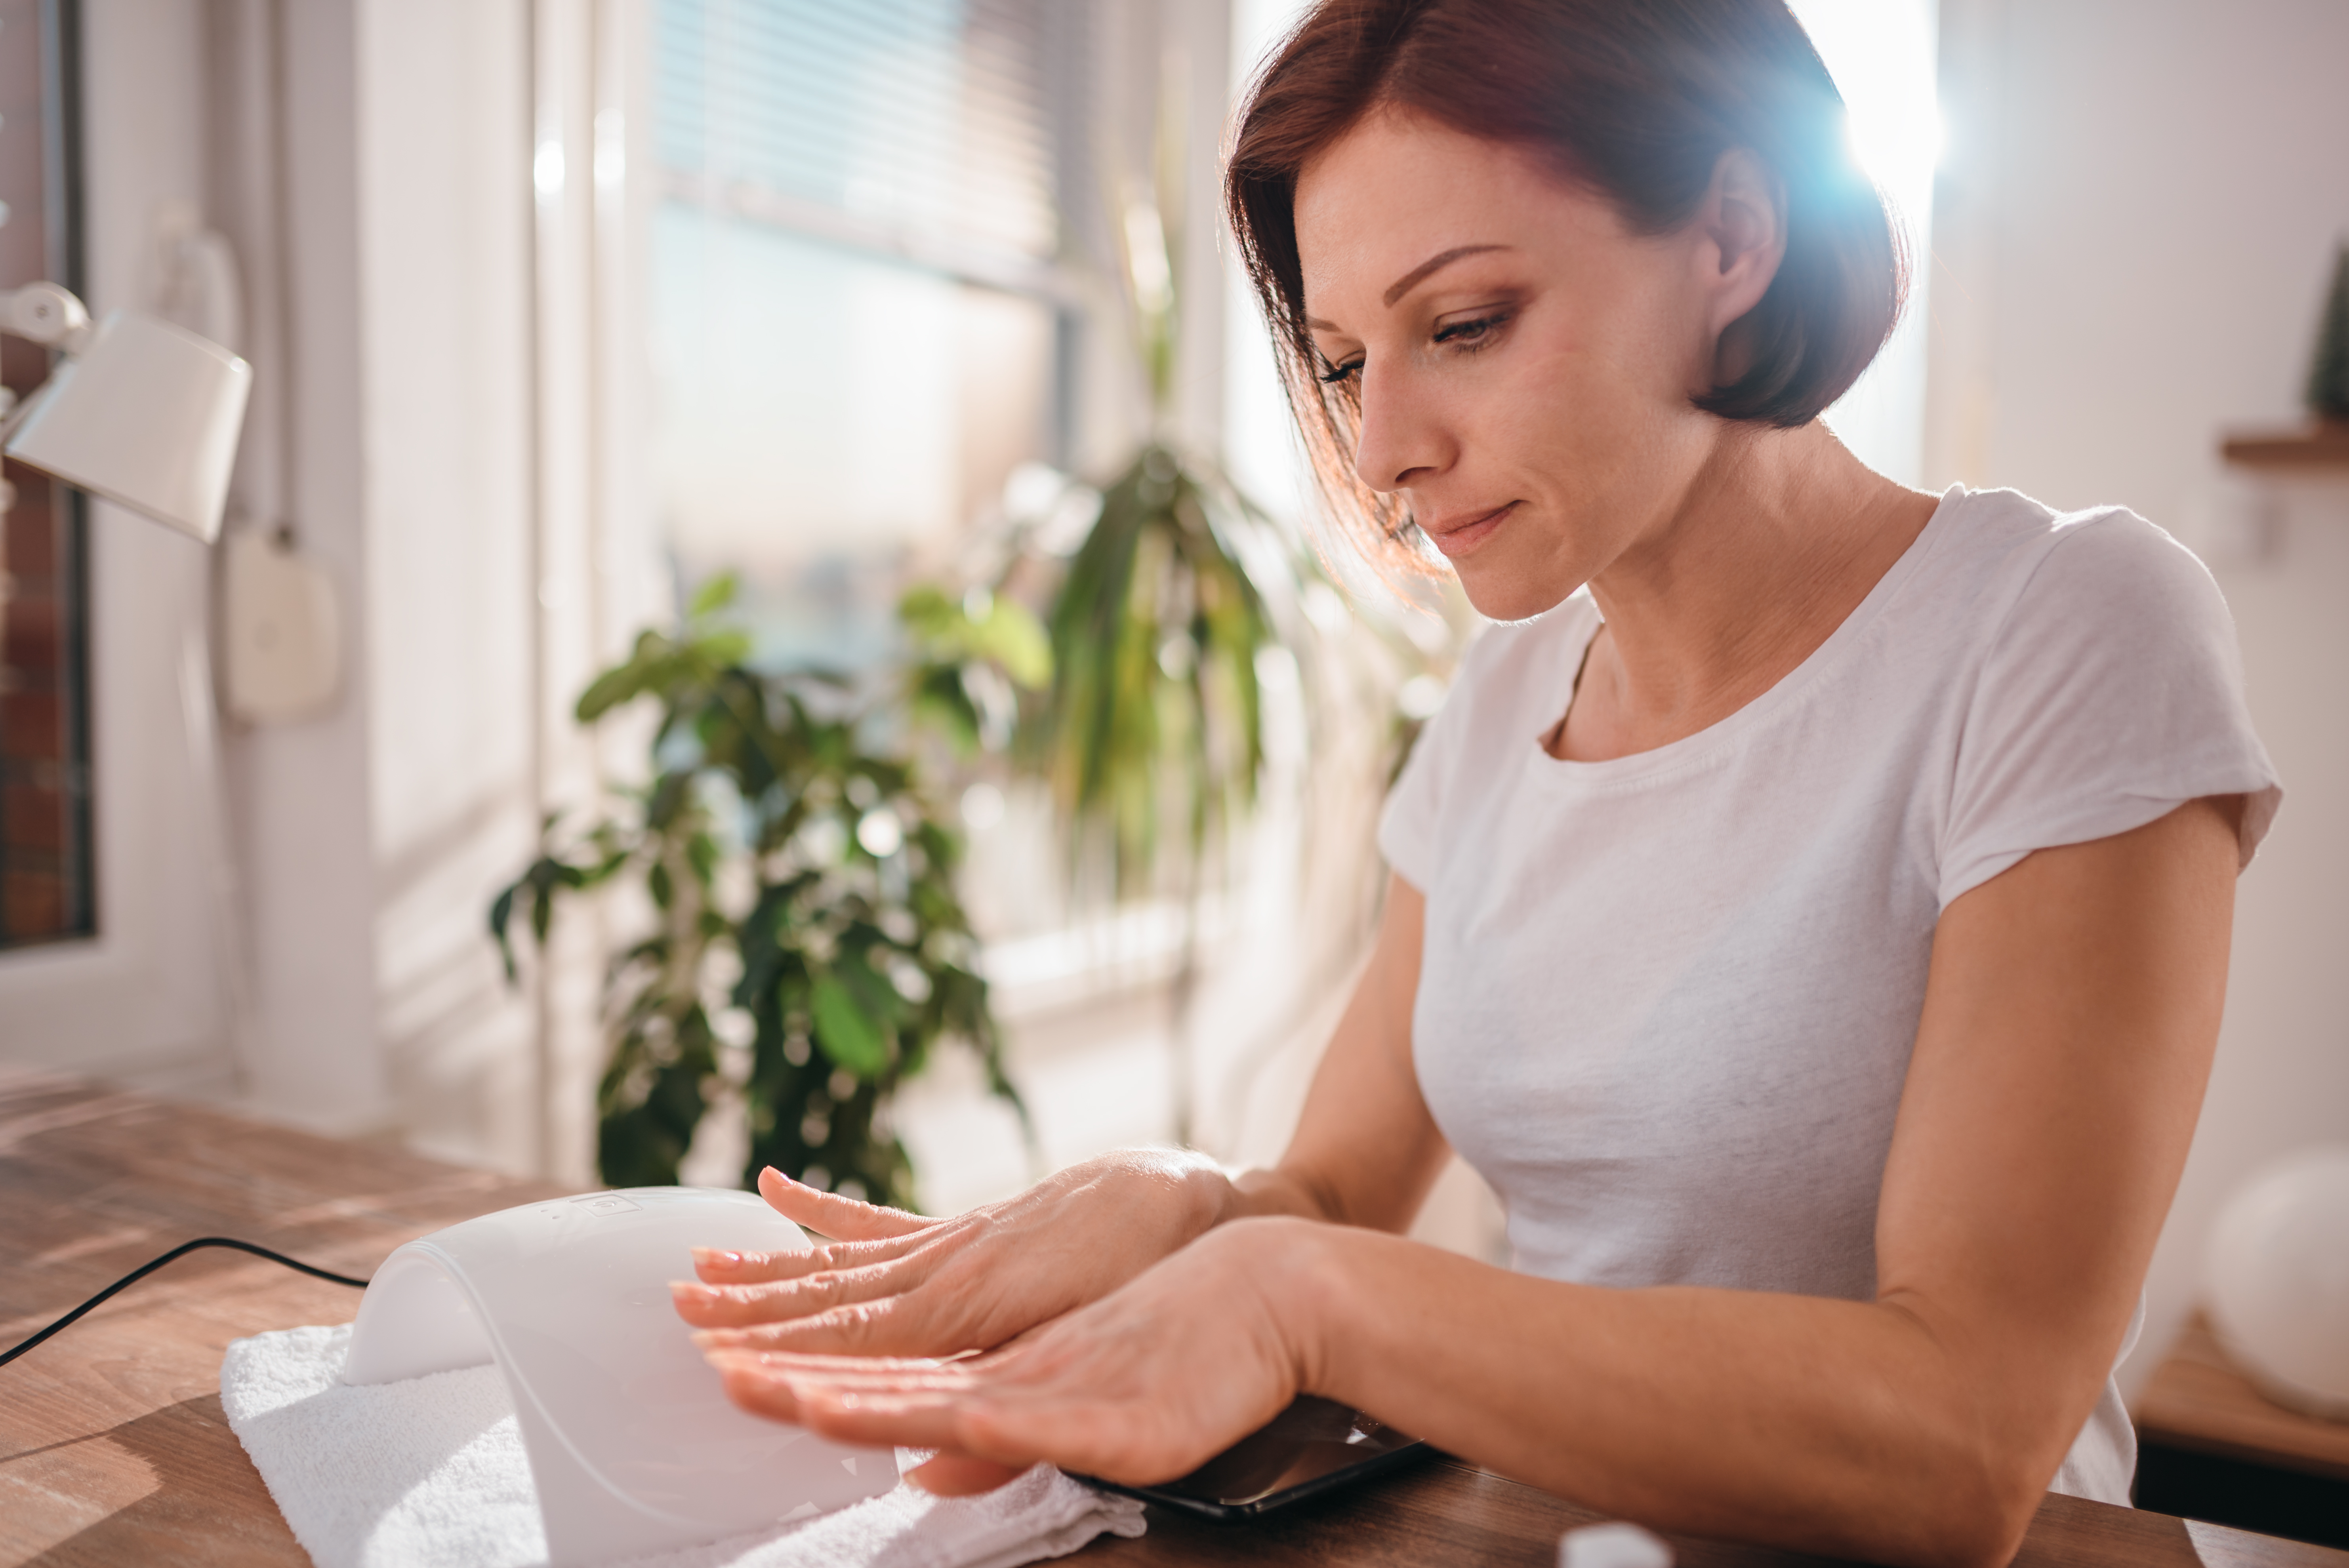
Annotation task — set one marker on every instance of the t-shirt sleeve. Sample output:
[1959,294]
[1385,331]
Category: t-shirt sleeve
[1410,823]
[2112,693]
[1407,823]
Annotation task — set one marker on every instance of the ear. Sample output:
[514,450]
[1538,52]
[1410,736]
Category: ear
[1741,232]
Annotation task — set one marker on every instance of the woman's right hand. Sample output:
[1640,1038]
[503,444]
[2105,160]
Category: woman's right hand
[894,1284]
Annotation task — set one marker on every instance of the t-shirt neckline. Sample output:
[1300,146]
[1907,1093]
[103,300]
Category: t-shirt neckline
[1709,743]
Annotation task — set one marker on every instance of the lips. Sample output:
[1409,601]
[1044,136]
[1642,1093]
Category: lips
[1463,532]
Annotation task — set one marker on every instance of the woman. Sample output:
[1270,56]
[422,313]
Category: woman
[1810,909]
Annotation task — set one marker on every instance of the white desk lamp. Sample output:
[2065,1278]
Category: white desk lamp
[145,415]
[141,412]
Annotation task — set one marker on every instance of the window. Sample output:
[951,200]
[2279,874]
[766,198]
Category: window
[859,321]
[1881,54]
[46,889]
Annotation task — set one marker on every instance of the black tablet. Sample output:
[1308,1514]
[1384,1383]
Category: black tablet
[1310,1448]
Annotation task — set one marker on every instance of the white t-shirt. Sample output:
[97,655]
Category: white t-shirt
[1666,1002]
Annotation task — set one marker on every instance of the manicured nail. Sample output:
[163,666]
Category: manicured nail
[716,1255]
[693,1291]
[778,1175]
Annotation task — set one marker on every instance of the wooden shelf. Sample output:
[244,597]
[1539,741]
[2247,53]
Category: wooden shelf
[2323,445]
[2196,1399]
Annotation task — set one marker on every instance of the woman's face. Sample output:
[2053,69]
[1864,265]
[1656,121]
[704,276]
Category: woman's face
[1524,362]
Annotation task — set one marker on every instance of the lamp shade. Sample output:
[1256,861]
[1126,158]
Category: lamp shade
[147,416]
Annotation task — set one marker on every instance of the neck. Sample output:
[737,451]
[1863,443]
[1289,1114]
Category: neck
[1774,540]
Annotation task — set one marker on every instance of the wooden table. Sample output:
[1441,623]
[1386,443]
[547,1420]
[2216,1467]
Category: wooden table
[2212,1445]
[2196,1399]
[113,1447]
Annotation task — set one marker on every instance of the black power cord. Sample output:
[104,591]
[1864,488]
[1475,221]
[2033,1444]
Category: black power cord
[135,1275]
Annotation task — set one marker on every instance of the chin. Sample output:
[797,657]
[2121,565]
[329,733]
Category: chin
[1507,597]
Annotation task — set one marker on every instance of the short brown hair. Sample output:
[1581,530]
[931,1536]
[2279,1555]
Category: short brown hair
[1635,100]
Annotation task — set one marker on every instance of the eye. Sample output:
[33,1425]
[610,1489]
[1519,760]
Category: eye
[1333,375]
[1474,333]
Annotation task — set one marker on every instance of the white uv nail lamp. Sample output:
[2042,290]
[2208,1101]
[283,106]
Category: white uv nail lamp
[632,1443]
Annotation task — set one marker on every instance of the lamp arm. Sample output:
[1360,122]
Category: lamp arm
[47,313]
[44,312]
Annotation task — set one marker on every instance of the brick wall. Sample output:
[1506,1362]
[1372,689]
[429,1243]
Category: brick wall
[46,884]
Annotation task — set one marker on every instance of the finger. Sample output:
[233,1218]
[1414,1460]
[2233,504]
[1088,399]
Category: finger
[885,1328]
[822,1373]
[787,1395]
[915,1421]
[742,1306]
[921,1421]
[904,1405]
[755,1389]
[830,1214]
[816,1365]
[719,1265]
[713,1342]
[962,1475]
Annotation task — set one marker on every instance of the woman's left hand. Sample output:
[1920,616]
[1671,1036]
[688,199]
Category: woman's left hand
[1142,1386]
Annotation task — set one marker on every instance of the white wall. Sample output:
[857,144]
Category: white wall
[443,161]
[371,838]
[2138,206]
[301,791]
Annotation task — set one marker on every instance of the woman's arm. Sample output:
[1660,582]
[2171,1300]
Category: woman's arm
[1365,1150]
[2067,1031]
[892,1283]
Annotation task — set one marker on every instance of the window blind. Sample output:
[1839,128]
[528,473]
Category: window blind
[925,129]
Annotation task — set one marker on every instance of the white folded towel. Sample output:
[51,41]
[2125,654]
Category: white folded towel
[431,1471]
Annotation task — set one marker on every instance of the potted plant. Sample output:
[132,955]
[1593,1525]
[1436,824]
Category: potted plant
[807,949]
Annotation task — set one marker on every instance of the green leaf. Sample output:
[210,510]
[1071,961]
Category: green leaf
[501,916]
[721,650]
[1153,717]
[1008,634]
[927,613]
[713,595]
[1015,638]
[608,691]
[845,1031]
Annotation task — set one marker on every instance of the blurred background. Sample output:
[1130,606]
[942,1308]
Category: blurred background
[562,309]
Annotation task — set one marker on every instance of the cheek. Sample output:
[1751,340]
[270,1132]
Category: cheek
[1626,349]
[1561,414]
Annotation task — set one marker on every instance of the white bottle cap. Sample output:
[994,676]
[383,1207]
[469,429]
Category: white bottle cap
[1612,1545]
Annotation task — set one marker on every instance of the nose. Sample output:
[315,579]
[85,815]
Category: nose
[1404,438]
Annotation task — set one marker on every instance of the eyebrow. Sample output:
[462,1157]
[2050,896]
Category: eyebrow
[1435,264]
[1416,276]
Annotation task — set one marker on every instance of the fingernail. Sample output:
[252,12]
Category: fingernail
[717,1256]
[692,1291]
[778,1175]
